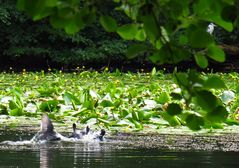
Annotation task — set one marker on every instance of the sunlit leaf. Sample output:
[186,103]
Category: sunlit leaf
[70,98]
[15,112]
[49,106]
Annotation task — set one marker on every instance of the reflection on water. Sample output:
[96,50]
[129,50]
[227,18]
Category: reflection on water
[104,155]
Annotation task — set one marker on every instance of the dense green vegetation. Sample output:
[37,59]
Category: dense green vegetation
[25,42]
[165,31]
[130,100]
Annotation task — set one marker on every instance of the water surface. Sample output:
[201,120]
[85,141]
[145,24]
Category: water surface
[109,154]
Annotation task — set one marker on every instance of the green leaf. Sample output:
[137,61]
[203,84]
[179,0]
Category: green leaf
[103,121]
[49,106]
[182,79]
[108,23]
[127,31]
[199,38]
[137,124]
[71,28]
[135,115]
[107,103]
[89,104]
[13,105]
[21,4]
[136,49]
[194,122]
[174,109]
[206,100]
[219,114]
[15,112]
[183,40]
[214,82]
[213,11]
[150,27]
[201,60]
[51,3]
[153,72]
[140,35]
[70,98]
[216,53]
[172,120]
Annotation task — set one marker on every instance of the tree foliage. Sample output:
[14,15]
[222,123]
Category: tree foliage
[173,31]
[23,39]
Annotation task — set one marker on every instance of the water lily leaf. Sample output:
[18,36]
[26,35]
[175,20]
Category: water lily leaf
[49,106]
[135,115]
[163,98]
[13,105]
[137,124]
[103,121]
[15,112]
[107,103]
[90,119]
[70,98]
[89,104]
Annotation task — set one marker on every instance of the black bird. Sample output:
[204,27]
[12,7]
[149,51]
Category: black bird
[78,135]
[101,136]
[47,130]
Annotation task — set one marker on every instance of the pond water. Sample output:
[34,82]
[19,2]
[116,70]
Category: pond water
[107,154]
